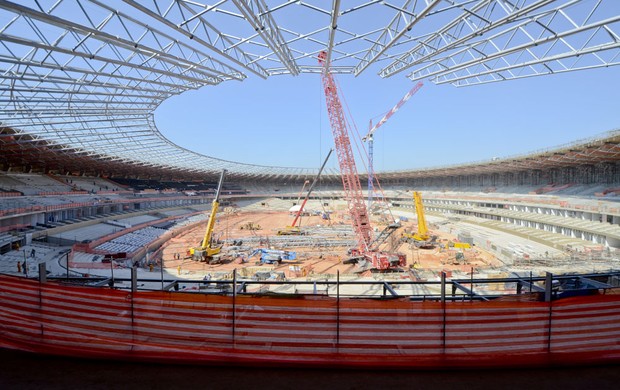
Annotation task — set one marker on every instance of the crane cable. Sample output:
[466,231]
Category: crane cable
[361,147]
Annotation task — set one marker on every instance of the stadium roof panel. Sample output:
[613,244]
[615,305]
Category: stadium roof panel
[83,78]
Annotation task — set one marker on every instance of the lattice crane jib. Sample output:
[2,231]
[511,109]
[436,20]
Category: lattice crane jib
[370,138]
[346,160]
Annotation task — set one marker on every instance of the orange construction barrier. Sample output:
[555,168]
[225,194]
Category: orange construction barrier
[305,330]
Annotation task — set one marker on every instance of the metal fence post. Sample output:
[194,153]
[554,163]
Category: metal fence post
[234,305]
[67,265]
[548,286]
[25,270]
[548,295]
[134,279]
[161,271]
[443,309]
[338,309]
[42,273]
[42,279]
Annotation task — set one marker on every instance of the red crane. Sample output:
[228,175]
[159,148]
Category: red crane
[367,248]
[293,229]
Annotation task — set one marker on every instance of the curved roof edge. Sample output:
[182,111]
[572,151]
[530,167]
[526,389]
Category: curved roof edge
[24,151]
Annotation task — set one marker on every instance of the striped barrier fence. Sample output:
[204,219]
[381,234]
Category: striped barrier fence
[305,330]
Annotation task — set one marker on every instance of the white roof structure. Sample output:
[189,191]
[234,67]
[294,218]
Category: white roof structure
[80,79]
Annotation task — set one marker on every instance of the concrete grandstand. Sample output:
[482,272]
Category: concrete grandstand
[93,195]
[82,158]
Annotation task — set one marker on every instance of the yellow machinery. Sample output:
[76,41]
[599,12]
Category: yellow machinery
[206,251]
[422,234]
[462,245]
[250,226]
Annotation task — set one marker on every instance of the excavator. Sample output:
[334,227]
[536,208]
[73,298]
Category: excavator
[293,229]
[207,251]
[421,238]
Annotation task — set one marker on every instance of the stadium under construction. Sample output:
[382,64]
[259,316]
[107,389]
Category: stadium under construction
[116,243]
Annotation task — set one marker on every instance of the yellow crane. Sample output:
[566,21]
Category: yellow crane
[422,234]
[206,250]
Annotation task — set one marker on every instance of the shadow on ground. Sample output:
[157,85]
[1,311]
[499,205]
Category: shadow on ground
[26,371]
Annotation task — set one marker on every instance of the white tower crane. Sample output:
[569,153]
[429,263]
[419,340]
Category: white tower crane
[369,138]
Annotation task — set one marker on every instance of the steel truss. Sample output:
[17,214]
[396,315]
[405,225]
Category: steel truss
[80,79]
[602,149]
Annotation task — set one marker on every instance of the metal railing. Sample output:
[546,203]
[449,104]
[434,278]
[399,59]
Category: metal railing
[542,288]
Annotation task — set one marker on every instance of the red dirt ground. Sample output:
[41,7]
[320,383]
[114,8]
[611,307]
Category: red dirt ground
[310,261]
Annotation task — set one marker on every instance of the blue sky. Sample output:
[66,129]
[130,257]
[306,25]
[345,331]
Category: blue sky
[283,121]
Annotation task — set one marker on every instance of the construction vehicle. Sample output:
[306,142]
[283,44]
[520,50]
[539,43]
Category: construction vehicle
[293,229]
[272,256]
[388,260]
[367,251]
[250,226]
[207,250]
[422,238]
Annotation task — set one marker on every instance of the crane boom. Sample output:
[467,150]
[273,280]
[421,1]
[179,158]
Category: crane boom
[318,175]
[214,206]
[205,251]
[346,160]
[419,209]
[370,139]
[365,252]
[302,190]
[293,229]
[398,105]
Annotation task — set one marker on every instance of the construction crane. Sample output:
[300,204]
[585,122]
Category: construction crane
[369,137]
[422,237]
[302,190]
[293,229]
[422,234]
[350,179]
[206,251]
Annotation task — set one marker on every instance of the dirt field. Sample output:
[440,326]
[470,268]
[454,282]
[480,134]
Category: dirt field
[259,229]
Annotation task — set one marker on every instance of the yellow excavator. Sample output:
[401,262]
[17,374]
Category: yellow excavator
[421,237]
[206,251]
